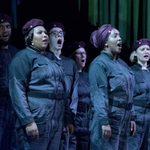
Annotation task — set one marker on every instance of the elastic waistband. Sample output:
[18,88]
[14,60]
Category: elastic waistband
[55,96]
[82,107]
[142,103]
[126,106]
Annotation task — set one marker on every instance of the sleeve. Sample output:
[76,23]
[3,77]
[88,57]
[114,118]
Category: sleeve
[69,114]
[99,91]
[19,73]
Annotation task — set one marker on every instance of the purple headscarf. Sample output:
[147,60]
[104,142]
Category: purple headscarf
[140,42]
[99,37]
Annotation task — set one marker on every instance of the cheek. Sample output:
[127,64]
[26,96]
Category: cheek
[149,54]
[139,56]
[62,40]
[52,40]
[85,57]
[77,59]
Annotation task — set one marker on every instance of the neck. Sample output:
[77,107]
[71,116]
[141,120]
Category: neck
[36,49]
[143,64]
[80,69]
[4,47]
[57,52]
[114,56]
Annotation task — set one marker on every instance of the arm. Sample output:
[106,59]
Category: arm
[20,69]
[99,96]
[99,92]
[18,84]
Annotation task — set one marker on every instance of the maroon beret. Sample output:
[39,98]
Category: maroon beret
[99,37]
[77,45]
[29,25]
[5,18]
[141,42]
[55,24]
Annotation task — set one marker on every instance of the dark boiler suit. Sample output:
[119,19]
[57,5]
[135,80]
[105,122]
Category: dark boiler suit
[38,93]
[111,85]
[141,100]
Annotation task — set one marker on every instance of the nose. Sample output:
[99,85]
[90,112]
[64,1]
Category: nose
[45,34]
[119,38]
[60,34]
[4,28]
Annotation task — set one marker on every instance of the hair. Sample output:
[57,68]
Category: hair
[133,57]
[28,38]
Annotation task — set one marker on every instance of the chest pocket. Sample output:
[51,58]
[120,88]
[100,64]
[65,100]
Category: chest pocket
[41,68]
[140,86]
[117,82]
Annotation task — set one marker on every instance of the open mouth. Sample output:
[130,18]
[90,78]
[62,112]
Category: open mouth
[59,41]
[146,56]
[119,45]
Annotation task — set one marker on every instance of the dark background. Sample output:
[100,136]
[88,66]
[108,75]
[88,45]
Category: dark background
[74,18]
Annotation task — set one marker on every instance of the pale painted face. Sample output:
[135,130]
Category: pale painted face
[40,38]
[143,53]
[56,38]
[80,57]
[114,42]
[5,32]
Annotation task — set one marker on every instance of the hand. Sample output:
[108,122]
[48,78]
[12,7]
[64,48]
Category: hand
[70,128]
[133,127]
[32,130]
[106,131]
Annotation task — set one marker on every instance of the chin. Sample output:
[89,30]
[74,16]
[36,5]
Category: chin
[118,51]
[59,47]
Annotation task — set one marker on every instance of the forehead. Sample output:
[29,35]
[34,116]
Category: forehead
[80,49]
[56,29]
[39,28]
[114,31]
[5,24]
[143,46]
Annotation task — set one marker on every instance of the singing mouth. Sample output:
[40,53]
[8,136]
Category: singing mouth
[119,45]
[59,41]
[146,56]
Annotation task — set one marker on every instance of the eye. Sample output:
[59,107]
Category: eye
[1,27]
[57,33]
[148,49]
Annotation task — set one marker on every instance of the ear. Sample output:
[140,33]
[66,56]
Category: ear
[133,57]
[106,45]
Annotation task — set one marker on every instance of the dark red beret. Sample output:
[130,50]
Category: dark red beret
[141,42]
[5,18]
[99,37]
[77,45]
[55,24]
[31,24]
